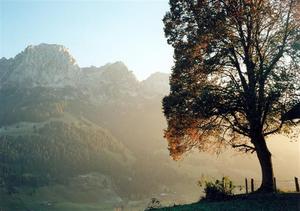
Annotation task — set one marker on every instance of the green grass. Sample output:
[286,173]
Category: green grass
[272,202]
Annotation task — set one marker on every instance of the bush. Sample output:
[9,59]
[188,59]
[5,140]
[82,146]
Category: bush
[217,190]
[153,204]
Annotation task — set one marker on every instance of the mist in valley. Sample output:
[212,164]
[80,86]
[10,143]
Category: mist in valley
[82,116]
[93,137]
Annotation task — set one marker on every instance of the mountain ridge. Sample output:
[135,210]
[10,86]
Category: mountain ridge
[52,65]
[97,108]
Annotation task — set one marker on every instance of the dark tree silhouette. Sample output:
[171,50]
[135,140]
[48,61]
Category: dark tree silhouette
[235,76]
[292,114]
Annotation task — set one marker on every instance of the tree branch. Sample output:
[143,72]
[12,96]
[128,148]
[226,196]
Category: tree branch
[281,49]
[245,147]
[236,64]
[275,130]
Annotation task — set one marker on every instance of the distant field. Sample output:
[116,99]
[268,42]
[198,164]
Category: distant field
[66,198]
[285,201]
[9,204]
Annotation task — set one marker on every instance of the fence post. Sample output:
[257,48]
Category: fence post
[252,185]
[297,185]
[274,183]
[246,185]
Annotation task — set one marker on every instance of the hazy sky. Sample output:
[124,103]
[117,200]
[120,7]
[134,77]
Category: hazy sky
[96,32]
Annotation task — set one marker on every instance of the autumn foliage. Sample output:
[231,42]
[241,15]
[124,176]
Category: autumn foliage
[236,74]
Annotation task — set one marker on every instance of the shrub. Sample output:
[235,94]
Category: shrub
[217,190]
[153,204]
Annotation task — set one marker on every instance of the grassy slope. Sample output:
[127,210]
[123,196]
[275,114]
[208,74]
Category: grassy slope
[285,201]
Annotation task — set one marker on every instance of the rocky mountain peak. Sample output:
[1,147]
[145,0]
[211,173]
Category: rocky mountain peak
[42,65]
[49,52]
[118,72]
[156,83]
[3,59]
[52,65]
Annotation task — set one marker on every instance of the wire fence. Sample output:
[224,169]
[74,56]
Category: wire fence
[250,185]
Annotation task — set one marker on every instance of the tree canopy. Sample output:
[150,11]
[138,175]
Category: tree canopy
[236,73]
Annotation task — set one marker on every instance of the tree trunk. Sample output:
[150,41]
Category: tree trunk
[264,157]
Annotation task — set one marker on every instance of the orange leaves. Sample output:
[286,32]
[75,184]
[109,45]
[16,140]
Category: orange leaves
[227,71]
[184,134]
[297,11]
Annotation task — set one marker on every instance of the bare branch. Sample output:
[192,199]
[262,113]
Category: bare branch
[282,47]
[244,147]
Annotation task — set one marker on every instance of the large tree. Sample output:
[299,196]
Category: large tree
[235,77]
